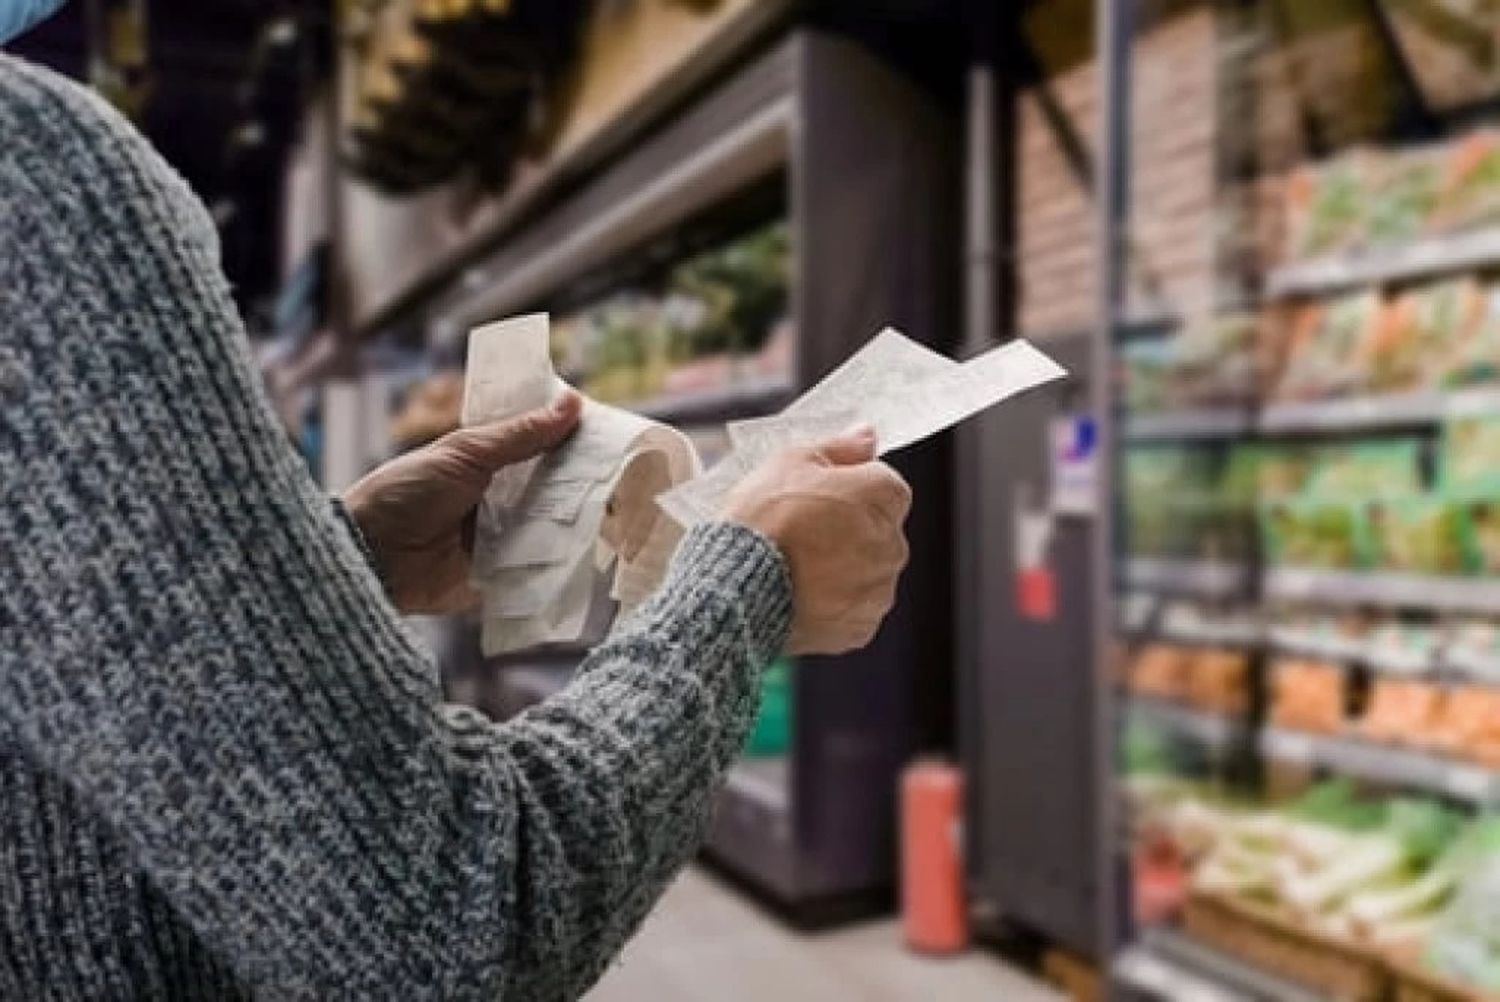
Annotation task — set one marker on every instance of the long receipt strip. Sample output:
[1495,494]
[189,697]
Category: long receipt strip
[609,506]
[549,532]
[905,391]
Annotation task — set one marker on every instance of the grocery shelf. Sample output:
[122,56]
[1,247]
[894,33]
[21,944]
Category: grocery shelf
[1169,965]
[747,398]
[1189,628]
[1392,410]
[1187,425]
[1392,765]
[1414,591]
[1417,259]
[1216,731]
[1206,578]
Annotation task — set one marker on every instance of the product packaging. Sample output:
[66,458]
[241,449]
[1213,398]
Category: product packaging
[1311,533]
[1326,354]
[1422,534]
[1307,696]
[1413,344]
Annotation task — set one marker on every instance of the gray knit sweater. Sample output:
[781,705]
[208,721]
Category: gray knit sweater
[225,769]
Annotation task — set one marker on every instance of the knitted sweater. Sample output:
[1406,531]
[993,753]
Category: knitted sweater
[226,771]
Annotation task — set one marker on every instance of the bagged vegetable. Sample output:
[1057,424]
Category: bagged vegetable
[1307,696]
[1474,358]
[1482,529]
[1470,196]
[1403,194]
[1424,534]
[1311,533]
[1401,711]
[1383,468]
[1471,455]
[1325,356]
[1412,344]
[1326,205]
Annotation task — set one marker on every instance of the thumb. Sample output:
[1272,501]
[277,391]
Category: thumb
[855,446]
[488,447]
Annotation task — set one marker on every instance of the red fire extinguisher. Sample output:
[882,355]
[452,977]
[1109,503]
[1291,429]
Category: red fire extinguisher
[934,913]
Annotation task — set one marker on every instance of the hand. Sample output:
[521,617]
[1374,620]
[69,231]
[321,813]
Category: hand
[836,516]
[417,511]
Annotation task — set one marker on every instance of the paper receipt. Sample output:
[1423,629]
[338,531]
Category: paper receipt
[564,543]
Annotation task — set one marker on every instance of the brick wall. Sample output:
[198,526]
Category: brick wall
[1174,158]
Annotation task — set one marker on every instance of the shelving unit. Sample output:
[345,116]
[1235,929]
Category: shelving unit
[1401,175]
[1184,426]
[1202,578]
[1377,413]
[1385,764]
[1172,967]
[1418,259]
[1214,731]
[1407,591]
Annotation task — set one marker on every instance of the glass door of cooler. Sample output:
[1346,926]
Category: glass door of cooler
[1307,331]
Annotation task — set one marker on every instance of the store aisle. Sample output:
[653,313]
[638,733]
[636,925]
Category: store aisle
[705,942]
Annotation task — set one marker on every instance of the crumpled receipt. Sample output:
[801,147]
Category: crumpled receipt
[551,531]
[610,505]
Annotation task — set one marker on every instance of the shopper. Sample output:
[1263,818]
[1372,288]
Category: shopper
[225,769]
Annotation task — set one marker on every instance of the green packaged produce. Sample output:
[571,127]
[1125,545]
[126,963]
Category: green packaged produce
[1423,534]
[1403,195]
[1482,529]
[1471,455]
[1311,533]
[1327,205]
[1375,468]
[1171,500]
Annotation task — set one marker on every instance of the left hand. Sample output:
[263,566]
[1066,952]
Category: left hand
[417,511]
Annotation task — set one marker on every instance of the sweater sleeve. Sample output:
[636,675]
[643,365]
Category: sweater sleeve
[192,640]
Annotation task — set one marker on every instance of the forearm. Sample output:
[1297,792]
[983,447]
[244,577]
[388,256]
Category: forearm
[616,776]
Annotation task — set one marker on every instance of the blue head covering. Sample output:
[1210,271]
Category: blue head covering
[18,15]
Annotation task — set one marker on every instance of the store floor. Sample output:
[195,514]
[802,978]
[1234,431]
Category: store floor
[706,942]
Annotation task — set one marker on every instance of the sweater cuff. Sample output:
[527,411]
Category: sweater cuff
[345,516]
[735,561]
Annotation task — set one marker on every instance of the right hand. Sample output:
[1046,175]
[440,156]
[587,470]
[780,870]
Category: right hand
[836,515]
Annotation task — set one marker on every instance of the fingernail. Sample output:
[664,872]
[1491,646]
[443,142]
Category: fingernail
[563,403]
[862,431]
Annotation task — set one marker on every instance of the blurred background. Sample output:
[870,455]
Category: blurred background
[1193,687]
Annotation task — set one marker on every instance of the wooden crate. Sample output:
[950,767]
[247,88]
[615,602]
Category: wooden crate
[1267,939]
[1073,974]
[1414,984]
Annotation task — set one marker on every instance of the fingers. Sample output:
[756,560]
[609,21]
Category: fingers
[854,446]
[879,486]
[486,448]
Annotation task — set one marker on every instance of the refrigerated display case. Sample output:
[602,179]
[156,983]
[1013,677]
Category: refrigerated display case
[713,270]
[1256,758]
[1305,758]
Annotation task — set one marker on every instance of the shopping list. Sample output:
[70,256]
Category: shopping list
[566,543]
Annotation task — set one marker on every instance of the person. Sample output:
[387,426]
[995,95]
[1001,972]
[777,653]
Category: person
[226,770]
